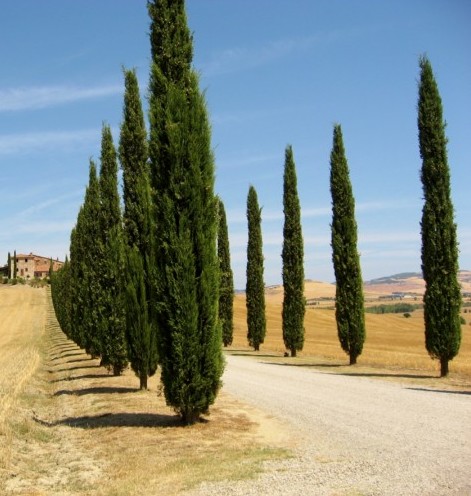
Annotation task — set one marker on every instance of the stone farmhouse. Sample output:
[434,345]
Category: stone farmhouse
[34,266]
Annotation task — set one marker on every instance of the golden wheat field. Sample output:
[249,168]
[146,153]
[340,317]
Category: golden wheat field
[392,341]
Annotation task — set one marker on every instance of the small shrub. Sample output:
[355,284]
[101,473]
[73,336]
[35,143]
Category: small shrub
[407,315]
[463,321]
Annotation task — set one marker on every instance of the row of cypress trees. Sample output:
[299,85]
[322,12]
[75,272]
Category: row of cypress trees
[442,298]
[144,285]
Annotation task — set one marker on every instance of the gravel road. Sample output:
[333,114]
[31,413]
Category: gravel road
[355,435]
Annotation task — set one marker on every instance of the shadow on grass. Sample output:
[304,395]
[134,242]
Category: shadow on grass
[66,369]
[95,390]
[117,420]
[84,376]
[66,355]
[443,391]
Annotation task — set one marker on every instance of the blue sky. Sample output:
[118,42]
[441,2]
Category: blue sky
[275,72]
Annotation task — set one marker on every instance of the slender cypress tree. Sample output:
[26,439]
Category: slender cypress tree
[255,287]
[14,265]
[294,303]
[442,298]
[60,293]
[349,305]
[137,220]
[85,251]
[182,170]
[9,265]
[110,269]
[226,279]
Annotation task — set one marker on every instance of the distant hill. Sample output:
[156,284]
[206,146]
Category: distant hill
[404,282]
[409,282]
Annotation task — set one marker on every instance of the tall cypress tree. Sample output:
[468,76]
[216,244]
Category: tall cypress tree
[226,279]
[294,303]
[442,298]
[138,232]
[182,170]
[255,287]
[9,266]
[349,304]
[14,265]
[85,251]
[110,269]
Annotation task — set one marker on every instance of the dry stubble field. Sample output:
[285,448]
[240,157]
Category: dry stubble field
[68,427]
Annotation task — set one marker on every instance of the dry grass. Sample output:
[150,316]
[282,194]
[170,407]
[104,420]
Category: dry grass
[394,346]
[68,427]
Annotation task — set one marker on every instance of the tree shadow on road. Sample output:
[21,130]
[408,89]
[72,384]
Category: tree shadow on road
[443,391]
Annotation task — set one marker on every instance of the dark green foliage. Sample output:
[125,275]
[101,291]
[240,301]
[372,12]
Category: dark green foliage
[60,293]
[226,279]
[182,171]
[294,303]
[9,266]
[255,287]
[139,233]
[14,265]
[442,298]
[84,254]
[349,307]
[110,269]
[140,337]
[133,156]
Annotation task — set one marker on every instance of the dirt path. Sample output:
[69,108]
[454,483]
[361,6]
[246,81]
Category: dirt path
[357,436]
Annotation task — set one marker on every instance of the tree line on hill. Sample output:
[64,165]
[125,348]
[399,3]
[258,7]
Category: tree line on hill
[151,284]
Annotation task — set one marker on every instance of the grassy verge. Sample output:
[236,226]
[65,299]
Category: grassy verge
[75,429]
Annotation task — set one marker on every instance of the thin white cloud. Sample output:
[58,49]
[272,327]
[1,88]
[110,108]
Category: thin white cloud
[39,141]
[33,98]
[242,58]
[39,207]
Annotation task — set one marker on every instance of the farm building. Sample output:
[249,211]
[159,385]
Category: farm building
[34,266]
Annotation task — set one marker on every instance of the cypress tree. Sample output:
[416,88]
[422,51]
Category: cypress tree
[85,252]
[9,265]
[182,170]
[137,221]
[110,269]
[294,304]
[60,293]
[14,265]
[442,298]
[255,287]
[349,301]
[226,279]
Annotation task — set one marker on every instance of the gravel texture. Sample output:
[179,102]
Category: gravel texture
[354,435]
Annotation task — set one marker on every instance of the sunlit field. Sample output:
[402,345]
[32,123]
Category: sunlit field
[392,341]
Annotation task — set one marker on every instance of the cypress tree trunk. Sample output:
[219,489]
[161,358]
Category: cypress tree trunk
[138,232]
[182,173]
[442,298]
[255,287]
[226,280]
[294,304]
[349,305]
